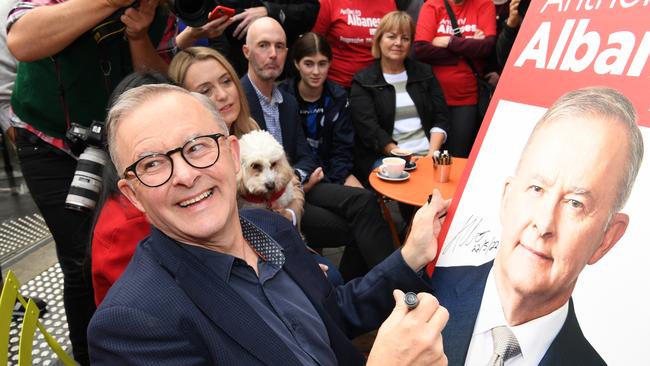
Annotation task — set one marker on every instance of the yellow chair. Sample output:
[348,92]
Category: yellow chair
[30,322]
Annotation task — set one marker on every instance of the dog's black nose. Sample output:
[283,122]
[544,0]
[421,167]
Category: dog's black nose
[269,185]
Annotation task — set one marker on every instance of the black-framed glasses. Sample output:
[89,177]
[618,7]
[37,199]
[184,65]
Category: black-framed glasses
[156,169]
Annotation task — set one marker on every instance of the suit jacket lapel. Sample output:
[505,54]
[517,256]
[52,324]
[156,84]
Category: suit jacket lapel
[570,347]
[220,303]
[253,102]
[312,285]
[463,301]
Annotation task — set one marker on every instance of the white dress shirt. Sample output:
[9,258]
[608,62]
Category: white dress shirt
[534,337]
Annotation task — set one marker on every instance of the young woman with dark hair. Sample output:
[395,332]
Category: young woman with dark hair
[338,210]
[323,109]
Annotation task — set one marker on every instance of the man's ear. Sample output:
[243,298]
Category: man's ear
[613,233]
[246,50]
[507,185]
[233,143]
[128,191]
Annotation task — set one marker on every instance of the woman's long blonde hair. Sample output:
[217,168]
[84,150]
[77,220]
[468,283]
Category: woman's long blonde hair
[187,57]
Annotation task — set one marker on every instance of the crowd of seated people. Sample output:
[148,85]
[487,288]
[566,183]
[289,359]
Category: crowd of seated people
[367,79]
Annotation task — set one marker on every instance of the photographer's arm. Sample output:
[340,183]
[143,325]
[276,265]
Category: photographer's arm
[46,30]
[144,56]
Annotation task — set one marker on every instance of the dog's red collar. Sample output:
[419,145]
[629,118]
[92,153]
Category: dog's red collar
[261,199]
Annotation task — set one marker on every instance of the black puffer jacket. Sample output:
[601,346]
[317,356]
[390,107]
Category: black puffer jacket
[372,109]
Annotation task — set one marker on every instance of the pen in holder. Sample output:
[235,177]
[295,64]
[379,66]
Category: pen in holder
[441,166]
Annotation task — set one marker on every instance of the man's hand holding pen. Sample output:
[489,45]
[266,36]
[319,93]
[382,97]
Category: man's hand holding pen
[411,335]
[421,245]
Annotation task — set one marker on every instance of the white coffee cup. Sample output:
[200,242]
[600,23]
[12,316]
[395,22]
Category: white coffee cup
[392,167]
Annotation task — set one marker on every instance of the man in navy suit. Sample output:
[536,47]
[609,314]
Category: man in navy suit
[213,286]
[559,212]
[335,215]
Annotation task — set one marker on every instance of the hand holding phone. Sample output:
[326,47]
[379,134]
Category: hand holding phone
[220,11]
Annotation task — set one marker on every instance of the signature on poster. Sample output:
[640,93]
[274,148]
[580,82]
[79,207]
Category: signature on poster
[473,237]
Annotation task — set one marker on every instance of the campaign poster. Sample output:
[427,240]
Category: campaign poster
[565,45]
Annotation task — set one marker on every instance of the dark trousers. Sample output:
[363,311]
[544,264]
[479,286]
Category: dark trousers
[336,215]
[462,130]
[48,173]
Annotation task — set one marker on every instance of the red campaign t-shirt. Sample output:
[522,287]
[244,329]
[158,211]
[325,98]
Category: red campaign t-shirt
[457,81]
[348,26]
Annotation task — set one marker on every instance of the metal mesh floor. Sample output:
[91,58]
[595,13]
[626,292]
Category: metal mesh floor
[49,287]
[19,236]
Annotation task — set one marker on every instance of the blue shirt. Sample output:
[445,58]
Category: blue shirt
[271,111]
[274,295]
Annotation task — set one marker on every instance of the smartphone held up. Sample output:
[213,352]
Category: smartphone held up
[220,11]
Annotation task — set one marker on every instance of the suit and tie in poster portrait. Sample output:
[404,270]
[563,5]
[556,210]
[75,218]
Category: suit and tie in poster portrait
[545,236]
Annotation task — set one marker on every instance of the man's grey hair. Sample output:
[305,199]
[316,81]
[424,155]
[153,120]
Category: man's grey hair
[134,98]
[612,106]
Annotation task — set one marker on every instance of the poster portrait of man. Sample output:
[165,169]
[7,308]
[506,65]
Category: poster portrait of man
[559,212]
[546,233]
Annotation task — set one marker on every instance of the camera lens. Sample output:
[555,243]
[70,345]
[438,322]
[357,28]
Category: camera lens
[193,12]
[87,181]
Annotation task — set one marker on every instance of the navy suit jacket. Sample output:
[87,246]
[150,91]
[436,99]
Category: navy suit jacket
[168,309]
[460,290]
[293,136]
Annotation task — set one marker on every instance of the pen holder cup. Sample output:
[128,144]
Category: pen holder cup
[441,173]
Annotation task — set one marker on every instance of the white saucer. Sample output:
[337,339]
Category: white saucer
[410,166]
[404,176]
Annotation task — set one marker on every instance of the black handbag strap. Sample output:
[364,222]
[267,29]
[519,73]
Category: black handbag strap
[458,33]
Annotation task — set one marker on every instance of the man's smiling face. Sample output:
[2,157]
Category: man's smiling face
[195,204]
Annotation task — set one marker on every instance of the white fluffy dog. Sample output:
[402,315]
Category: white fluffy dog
[265,178]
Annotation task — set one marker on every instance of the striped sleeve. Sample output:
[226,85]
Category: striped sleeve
[22,7]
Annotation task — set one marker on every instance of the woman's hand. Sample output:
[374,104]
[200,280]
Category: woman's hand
[314,178]
[352,181]
[388,148]
[435,142]
[441,41]
[212,29]
[514,18]
[478,35]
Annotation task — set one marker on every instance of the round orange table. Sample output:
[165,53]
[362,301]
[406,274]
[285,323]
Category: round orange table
[415,190]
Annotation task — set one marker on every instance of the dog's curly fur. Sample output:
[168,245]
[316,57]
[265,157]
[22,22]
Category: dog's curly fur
[265,171]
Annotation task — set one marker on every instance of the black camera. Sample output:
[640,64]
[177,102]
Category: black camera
[87,181]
